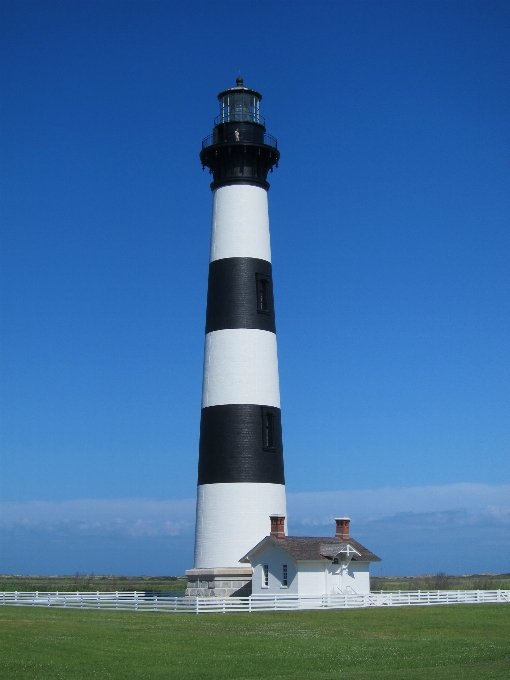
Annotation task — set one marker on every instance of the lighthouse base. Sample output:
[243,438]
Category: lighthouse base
[231,582]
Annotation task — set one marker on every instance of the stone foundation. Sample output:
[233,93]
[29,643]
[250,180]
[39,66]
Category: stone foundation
[234,582]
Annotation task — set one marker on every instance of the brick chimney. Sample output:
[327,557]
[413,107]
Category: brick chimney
[342,527]
[277,526]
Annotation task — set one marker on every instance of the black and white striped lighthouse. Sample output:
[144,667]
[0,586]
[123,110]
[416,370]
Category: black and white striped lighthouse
[240,470]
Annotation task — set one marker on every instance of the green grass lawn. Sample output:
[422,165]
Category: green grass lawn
[458,642]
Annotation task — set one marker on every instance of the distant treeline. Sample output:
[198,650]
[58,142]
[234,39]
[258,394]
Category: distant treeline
[442,581]
[91,582]
[176,585]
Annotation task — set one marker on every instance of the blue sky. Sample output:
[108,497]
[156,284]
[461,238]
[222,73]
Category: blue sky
[390,236]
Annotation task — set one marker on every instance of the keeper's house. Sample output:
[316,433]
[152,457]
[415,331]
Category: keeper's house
[301,565]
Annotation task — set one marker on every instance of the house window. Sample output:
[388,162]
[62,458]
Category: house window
[285,576]
[335,561]
[263,293]
[265,576]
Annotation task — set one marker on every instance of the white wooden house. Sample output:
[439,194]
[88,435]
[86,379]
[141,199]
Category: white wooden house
[303,565]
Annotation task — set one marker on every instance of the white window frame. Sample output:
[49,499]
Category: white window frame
[285,575]
[265,575]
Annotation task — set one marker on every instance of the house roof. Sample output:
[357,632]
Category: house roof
[309,548]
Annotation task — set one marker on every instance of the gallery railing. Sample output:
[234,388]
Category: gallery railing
[252,136]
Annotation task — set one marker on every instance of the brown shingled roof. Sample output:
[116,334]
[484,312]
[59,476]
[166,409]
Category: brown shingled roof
[305,548]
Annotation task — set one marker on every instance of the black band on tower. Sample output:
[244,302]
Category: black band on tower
[241,443]
[240,295]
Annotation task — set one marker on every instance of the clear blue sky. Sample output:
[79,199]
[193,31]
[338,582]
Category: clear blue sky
[390,235]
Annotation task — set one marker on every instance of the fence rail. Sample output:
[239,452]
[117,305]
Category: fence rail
[141,601]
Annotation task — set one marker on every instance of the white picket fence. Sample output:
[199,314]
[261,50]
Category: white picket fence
[140,601]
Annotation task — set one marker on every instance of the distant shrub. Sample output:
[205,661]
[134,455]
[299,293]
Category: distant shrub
[441,581]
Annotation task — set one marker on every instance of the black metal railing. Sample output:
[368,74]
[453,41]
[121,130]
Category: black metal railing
[240,117]
[244,138]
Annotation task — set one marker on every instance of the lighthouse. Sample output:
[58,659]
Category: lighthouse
[240,470]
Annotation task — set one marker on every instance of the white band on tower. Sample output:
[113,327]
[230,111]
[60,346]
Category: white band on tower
[240,223]
[230,521]
[235,352]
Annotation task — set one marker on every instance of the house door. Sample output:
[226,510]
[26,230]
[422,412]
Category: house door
[336,578]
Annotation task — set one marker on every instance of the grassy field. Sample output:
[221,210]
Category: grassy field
[460,642]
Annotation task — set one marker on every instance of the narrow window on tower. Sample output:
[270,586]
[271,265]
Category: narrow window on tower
[265,576]
[263,293]
[285,576]
[268,429]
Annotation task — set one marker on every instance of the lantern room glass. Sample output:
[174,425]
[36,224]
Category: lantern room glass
[239,107]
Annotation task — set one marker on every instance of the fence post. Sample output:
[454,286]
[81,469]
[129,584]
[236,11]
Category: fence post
[196,605]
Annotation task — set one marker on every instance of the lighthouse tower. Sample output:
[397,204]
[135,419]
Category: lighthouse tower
[240,470]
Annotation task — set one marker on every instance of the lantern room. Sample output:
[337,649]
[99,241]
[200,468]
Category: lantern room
[240,105]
